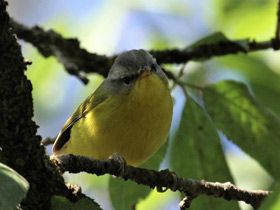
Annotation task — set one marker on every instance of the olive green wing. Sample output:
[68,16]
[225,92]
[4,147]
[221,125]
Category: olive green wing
[92,101]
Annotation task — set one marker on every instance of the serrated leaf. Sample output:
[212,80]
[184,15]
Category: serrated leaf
[238,115]
[125,194]
[263,80]
[13,188]
[62,203]
[196,153]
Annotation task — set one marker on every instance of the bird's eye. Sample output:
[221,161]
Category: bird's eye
[126,80]
[153,67]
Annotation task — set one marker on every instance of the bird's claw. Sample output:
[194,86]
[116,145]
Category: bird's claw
[121,161]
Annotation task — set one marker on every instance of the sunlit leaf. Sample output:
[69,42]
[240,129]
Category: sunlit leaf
[196,153]
[13,188]
[62,203]
[125,194]
[238,115]
[264,82]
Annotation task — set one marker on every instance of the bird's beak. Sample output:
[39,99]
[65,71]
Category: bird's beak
[145,73]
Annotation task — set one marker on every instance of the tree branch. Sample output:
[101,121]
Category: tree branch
[186,202]
[68,51]
[76,59]
[29,158]
[159,179]
[48,141]
[19,143]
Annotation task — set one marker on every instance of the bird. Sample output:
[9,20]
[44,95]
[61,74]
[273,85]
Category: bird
[129,114]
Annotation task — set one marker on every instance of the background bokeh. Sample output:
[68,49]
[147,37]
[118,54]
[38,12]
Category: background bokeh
[109,27]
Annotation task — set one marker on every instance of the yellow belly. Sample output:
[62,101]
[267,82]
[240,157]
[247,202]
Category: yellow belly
[133,125]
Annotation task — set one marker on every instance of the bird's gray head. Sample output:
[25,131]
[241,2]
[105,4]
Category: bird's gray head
[131,63]
[128,66]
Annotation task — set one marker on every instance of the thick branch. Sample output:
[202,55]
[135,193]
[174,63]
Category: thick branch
[159,179]
[19,143]
[77,60]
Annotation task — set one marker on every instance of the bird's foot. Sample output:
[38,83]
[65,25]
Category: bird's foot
[170,175]
[121,161]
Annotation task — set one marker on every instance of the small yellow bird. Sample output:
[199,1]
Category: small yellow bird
[129,113]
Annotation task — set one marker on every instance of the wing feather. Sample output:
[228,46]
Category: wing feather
[92,101]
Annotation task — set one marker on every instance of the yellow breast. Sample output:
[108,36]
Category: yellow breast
[133,125]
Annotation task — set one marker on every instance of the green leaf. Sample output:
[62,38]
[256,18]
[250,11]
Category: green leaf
[263,80]
[13,188]
[244,43]
[62,203]
[196,153]
[219,37]
[238,115]
[272,202]
[210,39]
[125,194]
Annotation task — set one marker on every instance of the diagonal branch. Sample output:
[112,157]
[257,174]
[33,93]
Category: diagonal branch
[159,179]
[68,51]
[76,59]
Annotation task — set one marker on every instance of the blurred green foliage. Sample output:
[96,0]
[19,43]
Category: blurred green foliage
[192,152]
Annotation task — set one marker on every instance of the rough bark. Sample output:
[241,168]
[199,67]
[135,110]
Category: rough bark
[20,145]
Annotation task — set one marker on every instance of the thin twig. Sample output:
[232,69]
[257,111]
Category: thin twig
[68,51]
[186,202]
[180,74]
[76,59]
[182,83]
[48,141]
[159,179]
